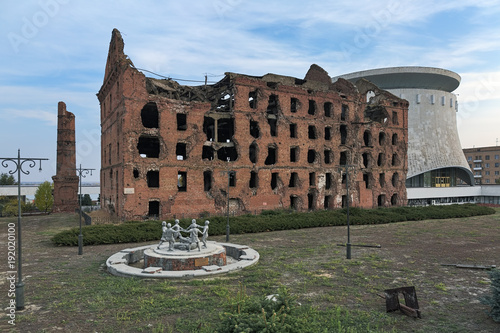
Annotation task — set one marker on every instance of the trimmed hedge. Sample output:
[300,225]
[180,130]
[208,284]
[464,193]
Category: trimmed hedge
[138,231]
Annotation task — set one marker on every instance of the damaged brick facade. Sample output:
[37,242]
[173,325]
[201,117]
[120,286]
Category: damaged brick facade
[166,148]
[65,180]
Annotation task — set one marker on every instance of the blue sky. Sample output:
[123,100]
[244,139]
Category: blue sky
[55,50]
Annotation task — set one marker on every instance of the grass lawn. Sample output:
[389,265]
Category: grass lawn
[67,292]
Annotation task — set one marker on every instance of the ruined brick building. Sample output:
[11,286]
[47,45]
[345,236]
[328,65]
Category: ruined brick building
[65,180]
[166,148]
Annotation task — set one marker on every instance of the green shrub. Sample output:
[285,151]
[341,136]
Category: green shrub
[137,231]
[493,300]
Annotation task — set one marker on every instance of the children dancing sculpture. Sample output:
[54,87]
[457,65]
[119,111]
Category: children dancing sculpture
[171,234]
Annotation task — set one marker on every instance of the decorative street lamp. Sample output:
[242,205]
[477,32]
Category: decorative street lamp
[81,174]
[229,173]
[348,245]
[18,163]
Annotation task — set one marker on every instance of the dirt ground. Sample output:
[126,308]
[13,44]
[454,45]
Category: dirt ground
[411,253]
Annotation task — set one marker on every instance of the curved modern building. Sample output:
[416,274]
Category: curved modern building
[435,156]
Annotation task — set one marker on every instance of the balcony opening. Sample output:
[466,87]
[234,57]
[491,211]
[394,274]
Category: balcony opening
[328,156]
[294,154]
[311,130]
[311,156]
[293,130]
[153,178]
[254,129]
[343,134]
[149,115]
[395,179]
[207,180]
[294,105]
[367,138]
[209,128]
[328,106]
[274,180]
[226,153]
[312,107]
[180,151]
[394,139]
[182,181]
[181,121]
[149,147]
[271,156]
[294,180]
[343,158]
[328,181]
[328,133]
[252,99]
[344,113]
[381,180]
[312,179]
[253,152]
[394,199]
[154,209]
[254,181]
[207,153]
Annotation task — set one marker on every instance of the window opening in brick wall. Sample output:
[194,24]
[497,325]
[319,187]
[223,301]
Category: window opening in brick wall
[225,129]
[328,181]
[254,129]
[109,155]
[294,202]
[154,208]
[395,160]
[272,105]
[294,180]
[381,159]
[149,147]
[253,152]
[395,179]
[254,180]
[381,138]
[312,107]
[252,99]
[153,178]
[311,199]
[394,199]
[181,121]
[343,134]
[366,179]
[344,201]
[294,154]
[149,115]
[312,178]
[328,106]
[344,178]
[207,153]
[293,130]
[274,180]
[366,160]
[273,126]
[180,151]
[271,156]
[381,180]
[182,181]
[328,156]
[311,130]
[395,139]
[136,173]
[367,138]
[328,133]
[395,118]
[209,128]
[225,101]
[227,152]
[381,200]
[294,105]
[232,178]
[344,113]
[343,158]
[311,156]
[207,180]
[326,203]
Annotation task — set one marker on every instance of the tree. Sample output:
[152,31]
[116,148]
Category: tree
[6,179]
[497,180]
[86,200]
[43,197]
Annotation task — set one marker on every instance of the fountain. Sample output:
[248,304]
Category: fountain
[183,257]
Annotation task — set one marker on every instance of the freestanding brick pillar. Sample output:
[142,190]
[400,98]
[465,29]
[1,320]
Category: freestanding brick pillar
[65,180]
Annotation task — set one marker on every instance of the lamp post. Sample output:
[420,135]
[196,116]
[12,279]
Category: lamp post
[229,173]
[18,163]
[348,245]
[81,174]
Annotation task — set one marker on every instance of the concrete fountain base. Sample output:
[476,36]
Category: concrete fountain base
[217,258]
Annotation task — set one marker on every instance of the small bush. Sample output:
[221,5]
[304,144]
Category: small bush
[493,300]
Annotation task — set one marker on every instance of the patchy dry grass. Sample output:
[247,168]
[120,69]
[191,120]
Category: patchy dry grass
[66,292]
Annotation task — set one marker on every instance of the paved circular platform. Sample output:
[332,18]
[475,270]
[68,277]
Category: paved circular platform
[127,262]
